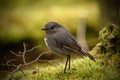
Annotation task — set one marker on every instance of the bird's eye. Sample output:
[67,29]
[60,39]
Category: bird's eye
[52,28]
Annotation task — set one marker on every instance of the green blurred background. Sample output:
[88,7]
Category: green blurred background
[21,20]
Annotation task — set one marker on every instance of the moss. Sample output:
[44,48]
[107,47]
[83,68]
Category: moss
[81,69]
[108,48]
[109,40]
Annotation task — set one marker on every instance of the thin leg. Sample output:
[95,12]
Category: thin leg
[66,64]
[69,62]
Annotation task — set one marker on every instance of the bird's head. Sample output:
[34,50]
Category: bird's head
[52,27]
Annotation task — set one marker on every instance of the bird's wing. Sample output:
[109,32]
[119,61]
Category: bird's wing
[67,42]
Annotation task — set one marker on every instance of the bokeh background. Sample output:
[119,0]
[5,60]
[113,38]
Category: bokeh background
[22,20]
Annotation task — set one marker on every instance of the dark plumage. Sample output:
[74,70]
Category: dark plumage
[60,40]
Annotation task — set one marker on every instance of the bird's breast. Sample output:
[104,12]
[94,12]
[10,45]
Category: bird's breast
[51,43]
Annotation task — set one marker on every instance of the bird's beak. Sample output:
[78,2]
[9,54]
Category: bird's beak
[43,28]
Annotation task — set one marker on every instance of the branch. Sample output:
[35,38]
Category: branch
[37,58]
[8,63]
[24,51]
[22,55]
[12,73]
[18,55]
[32,49]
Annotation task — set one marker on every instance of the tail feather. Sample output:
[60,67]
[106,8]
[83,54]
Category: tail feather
[87,54]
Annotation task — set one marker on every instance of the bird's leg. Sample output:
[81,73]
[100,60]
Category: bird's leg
[66,63]
[69,61]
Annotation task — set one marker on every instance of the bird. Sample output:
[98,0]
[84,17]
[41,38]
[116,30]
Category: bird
[61,41]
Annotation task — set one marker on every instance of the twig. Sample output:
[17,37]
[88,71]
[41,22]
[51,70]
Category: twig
[36,58]
[24,51]
[8,63]
[23,56]
[12,73]
[18,55]
[32,49]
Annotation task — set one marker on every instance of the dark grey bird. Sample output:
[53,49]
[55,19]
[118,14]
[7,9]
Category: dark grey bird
[60,40]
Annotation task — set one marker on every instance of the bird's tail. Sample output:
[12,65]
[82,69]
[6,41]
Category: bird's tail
[87,54]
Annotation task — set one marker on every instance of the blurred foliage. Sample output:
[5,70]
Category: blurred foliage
[110,11]
[23,19]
